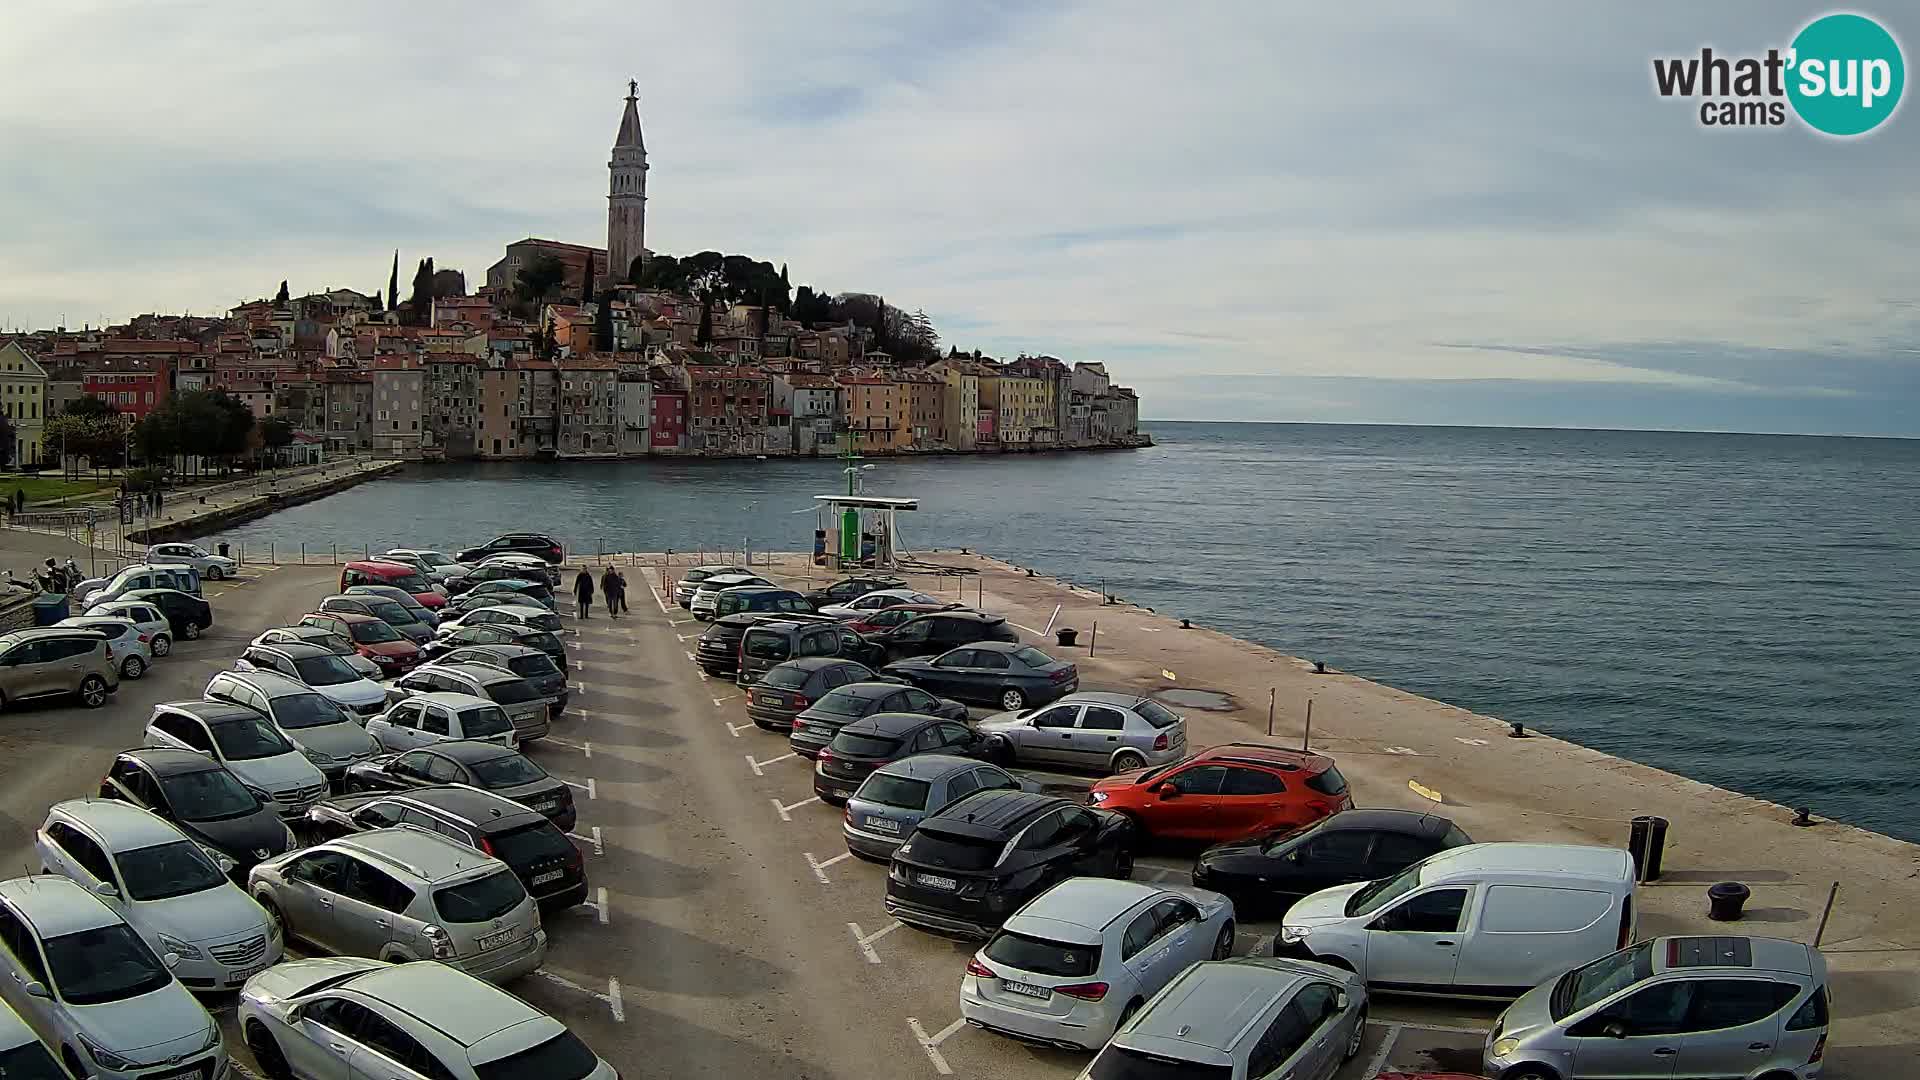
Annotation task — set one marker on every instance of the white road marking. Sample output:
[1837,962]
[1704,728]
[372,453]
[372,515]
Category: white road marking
[735,729]
[758,766]
[820,868]
[1030,630]
[932,1045]
[236,1066]
[589,787]
[598,847]
[613,1000]
[584,747]
[656,598]
[600,905]
[611,997]
[681,622]
[689,655]
[1403,750]
[719,701]
[786,809]
[1379,1059]
[865,941]
[687,637]
[1470,742]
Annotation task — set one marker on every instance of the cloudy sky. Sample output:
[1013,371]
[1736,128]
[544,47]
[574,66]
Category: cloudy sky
[1459,214]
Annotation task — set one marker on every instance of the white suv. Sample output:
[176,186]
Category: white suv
[425,719]
[90,986]
[164,885]
[308,1018]
[247,744]
[405,894]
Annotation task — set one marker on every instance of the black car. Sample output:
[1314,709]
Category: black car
[185,612]
[938,631]
[204,800]
[1270,872]
[488,766]
[497,634]
[816,725]
[853,588]
[782,638]
[718,649]
[1007,674]
[864,745]
[787,689]
[976,861]
[540,855]
[515,543]
[523,660]
[769,598]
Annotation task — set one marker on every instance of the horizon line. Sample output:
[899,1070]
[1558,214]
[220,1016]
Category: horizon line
[1543,427]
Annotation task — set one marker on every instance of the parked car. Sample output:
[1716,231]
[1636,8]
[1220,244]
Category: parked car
[454,1026]
[692,576]
[531,567]
[164,885]
[407,579]
[1107,733]
[760,598]
[475,576]
[969,866]
[527,709]
[405,894]
[1076,960]
[425,719]
[1671,1006]
[1485,920]
[321,638]
[138,577]
[321,671]
[402,597]
[528,543]
[520,589]
[247,743]
[785,690]
[816,725]
[707,595]
[1277,868]
[875,622]
[1251,1017]
[533,847]
[76,971]
[22,1053]
[379,607]
[1228,792]
[437,567]
[861,606]
[523,660]
[864,745]
[371,637]
[150,619]
[54,661]
[130,647]
[207,802]
[718,649]
[894,797]
[523,614]
[205,563]
[487,766]
[784,637]
[328,735]
[853,588]
[992,673]
[936,632]
[187,614]
[499,634]
[508,598]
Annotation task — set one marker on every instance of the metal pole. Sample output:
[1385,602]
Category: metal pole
[1306,735]
[1270,694]
[273,552]
[1092,638]
[303,553]
[1821,931]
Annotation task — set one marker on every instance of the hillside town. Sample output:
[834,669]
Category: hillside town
[576,352]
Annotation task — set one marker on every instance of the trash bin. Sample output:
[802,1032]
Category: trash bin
[1647,840]
[49,608]
[224,549]
[1065,636]
[1725,900]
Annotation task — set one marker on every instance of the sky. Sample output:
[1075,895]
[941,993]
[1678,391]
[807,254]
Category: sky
[1453,214]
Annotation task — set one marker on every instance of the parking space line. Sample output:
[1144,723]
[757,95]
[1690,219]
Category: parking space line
[719,701]
[584,747]
[656,598]
[865,941]
[1379,1059]
[734,729]
[599,905]
[687,637]
[820,867]
[758,766]
[785,809]
[589,787]
[598,847]
[1410,1025]
[932,1045]
[689,655]
[611,998]
[237,1066]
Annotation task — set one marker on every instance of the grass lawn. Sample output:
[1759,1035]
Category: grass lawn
[44,487]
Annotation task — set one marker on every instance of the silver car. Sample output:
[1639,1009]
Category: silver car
[893,798]
[1108,733]
[1250,1018]
[328,735]
[132,647]
[1677,1006]
[1078,959]
[707,595]
[403,894]
[691,577]
[205,563]
[530,711]
[325,639]
[437,566]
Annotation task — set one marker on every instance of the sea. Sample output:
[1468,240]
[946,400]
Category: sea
[1740,609]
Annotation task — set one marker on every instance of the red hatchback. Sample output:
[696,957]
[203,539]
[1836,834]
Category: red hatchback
[1228,792]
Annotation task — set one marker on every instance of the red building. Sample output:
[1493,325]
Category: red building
[134,387]
[668,424]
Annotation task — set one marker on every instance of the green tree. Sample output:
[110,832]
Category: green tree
[393,283]
[7,437]
[276,434]
[704,336]
[91,405]
[542,276]
[603,325]
[281,296]
[421,302]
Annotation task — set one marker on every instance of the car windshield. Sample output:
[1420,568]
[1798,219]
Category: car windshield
[840,703]
[247,738]
[933,846]
[785,677]
[1375,895]
[1329,782]
[208,795]
[165,871]
[1120,1063]
[391,611]
[1156,714]
[563,1057]
[901,792]
[1273,842]
[326,670]
[511,692]
[480,723]
[507,770]
[1599,980]
[433,558]
[412,583]
[372,633]
[766,646]
[1032,657]
[532,666]
[853,744]
[529,844]
[1043,957]
[107,963]
[333,643]
[297,711]
[30,1061]
[481,899]
[539,639]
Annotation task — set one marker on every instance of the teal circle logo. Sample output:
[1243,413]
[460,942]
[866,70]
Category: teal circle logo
[1847,74]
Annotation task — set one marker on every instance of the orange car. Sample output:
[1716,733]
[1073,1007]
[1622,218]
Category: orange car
[1228,792]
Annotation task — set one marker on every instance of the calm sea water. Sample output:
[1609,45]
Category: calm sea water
[1741,609]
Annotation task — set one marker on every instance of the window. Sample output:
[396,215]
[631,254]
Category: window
[86,853]
[1812,1013]
[1318,1002]
[187,731]
[1101,718]
[1241,781]
[1060,716]
[992,779]
[1199,780]
[958,658]
[1393,852]
[322,869]
[373,886]
[19,941]
[1436,912]
[1731,1003]
[442,771]
[1042,833]
[1140,932]
[436,722]
[1660,1009]
[379,1034]
[1282,1039]
[991,661]
[1347,847]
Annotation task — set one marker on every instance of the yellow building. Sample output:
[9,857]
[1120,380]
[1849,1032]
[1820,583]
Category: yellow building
[1022,408]
[23,394]
[877,417]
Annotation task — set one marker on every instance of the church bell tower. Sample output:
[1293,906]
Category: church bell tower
[627,192]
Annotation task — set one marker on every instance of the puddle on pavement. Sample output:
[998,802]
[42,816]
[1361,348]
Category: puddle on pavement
[1205,700]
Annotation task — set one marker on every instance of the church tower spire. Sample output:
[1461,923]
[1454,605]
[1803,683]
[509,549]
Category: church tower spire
[627,192]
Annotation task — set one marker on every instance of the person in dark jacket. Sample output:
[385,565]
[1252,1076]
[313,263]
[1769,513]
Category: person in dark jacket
[620,585]
[611,589]
[583,592]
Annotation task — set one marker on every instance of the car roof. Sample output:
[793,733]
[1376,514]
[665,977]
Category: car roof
[999,809]
[428,854]
[1008,647]
[747,590]
[470,803]
[167,761]
[505,648]
[348,617]
[1086,904]
[928,766]
[1101,697]
[868,689]
[141,594]
[891,724]
[1405,822]
[1269,756]
[1754,953]
[468,751]
[214,712]
[451,700]
[480,673]
[36,633]
[815,663]
[1212,1003]
[459,1006]
[963,614]
[1576,860]
[382,566]
[122,825]
[56,905]
[292,651]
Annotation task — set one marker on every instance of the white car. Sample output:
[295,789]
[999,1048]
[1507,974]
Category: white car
[151,621]
[437,566]
[326,639]
[527,614]
[326,674]
[24,1055]
[249,746]
[132,649]
[692,576]
[1077,960]
[331,737]
[707,594]
[210,566]
[425,719]
[309,1018]
[874,601]
[164,885]
[90,985]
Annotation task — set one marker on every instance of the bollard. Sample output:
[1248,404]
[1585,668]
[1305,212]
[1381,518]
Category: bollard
[1517,731]
[273,552]
[1647,841]
[1725,901]
[1306,737]
[1803,817]
[1093,638]
[1825,913]
[1271,692]
[303,553]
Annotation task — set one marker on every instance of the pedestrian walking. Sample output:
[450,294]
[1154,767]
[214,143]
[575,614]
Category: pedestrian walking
[583,593]
[620,583]
[610,593]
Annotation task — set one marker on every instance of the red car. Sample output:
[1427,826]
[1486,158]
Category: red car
[872,622]
[371,637]
[1228,792]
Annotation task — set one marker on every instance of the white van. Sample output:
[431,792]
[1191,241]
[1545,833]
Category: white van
[1485,920]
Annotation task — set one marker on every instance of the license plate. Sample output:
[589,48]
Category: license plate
[768,699]
[489,941]
[243,974]
[1025,989]
[935,881]
[548,806]
[178,1074]
[551,875]
[885,825]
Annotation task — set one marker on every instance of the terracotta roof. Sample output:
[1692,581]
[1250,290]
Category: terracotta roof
[395,362]
[587,363]
[718,374]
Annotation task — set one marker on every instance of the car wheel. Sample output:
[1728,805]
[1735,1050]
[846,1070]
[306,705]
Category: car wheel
[191,631]
[1123,863]
[267,1052]
[1223,945]
[1128,760]
[273,914]
[214,573]
[93,691]
[162,644]
[133,668]
[1358,1037]
[1012,700]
